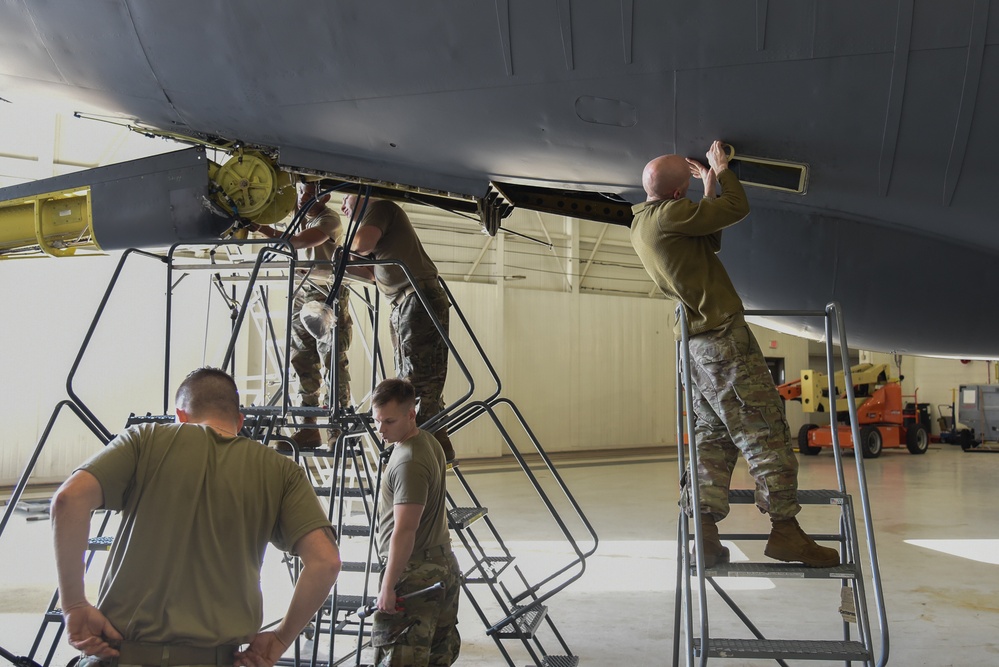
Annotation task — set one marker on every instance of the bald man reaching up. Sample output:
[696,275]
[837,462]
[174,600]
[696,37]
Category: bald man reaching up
[736,406]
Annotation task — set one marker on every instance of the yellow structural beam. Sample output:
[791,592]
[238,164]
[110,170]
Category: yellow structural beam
[57,224]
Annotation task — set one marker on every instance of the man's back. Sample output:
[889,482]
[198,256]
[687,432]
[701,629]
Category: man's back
[677,242]
[198,511]
[398,241]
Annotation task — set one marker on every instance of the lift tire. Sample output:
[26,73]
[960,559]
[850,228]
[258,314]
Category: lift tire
[803,445]
[917,439]
[870,442]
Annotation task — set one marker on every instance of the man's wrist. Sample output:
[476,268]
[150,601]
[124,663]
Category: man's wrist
[277,636]
[73,606]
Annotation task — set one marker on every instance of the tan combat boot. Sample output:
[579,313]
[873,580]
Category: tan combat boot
[714,552]
[789,543]
[307,438]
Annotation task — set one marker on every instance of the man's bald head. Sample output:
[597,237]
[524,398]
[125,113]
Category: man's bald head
[666,177]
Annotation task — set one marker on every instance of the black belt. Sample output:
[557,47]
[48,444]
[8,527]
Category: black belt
[434,552]
[164,655]
[427,554]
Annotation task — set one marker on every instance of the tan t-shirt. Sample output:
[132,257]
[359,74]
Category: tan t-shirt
[329,222]
[677,242]
[414,474]
[399,242]
[198,511]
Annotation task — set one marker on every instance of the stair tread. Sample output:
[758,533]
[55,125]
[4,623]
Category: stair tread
[523,626]
[354,531]
[348,492]
[348,602]
[807,649]
[559,661]
[462,517]
[805,496]
[781,570]
[359,566]
[493,565]
[102,543]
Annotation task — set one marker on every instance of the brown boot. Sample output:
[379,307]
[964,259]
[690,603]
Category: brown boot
[445,440]
[789,543]
[307,438]
[714,552]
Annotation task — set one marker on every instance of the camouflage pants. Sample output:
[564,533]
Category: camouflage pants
[421,353]
[311,358]
[425,634]
[737,409]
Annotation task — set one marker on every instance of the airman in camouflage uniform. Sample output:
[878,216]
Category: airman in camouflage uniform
[413,541]
[311,358]
[320,235]
[386,233]
[736,405]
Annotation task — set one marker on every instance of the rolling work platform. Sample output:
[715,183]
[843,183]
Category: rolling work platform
[511,600]
[695,612]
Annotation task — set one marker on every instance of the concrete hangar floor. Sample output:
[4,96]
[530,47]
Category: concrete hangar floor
[936,531]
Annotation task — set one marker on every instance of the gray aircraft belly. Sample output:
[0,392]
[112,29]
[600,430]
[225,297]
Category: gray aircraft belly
[891,106]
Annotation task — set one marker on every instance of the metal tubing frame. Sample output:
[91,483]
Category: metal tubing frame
[91,417]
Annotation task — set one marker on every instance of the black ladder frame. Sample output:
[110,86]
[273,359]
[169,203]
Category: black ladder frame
[522,609]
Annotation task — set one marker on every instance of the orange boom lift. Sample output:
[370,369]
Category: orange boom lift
[883,421]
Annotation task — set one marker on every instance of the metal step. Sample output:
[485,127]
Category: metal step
[805,497]
[348,491]
[781,571]
[559,661]
[493,565]
[462,517]
[347,602]
[818,537]
[785,649]
[100,543]
[358,566]
[354,531]
[525,624]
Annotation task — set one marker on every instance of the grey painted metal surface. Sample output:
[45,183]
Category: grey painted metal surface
[152,202]
[890,104]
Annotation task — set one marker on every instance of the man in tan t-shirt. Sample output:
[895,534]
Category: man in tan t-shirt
[413,540]
[199,504]
[386,233]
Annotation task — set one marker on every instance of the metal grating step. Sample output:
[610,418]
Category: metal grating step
[462,517]
[358,566]
[348,603]
[788,649]
[805,497]
[100,543]
[781,571]
[354,531]
[818,537]
[348,492]
[493,567]
[559,661]
[524,625]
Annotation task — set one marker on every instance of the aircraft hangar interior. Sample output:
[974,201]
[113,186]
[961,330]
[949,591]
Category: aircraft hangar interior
[155,218]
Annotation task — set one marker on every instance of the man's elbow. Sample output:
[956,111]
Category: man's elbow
[742,209]
[67,498]
[327,568]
